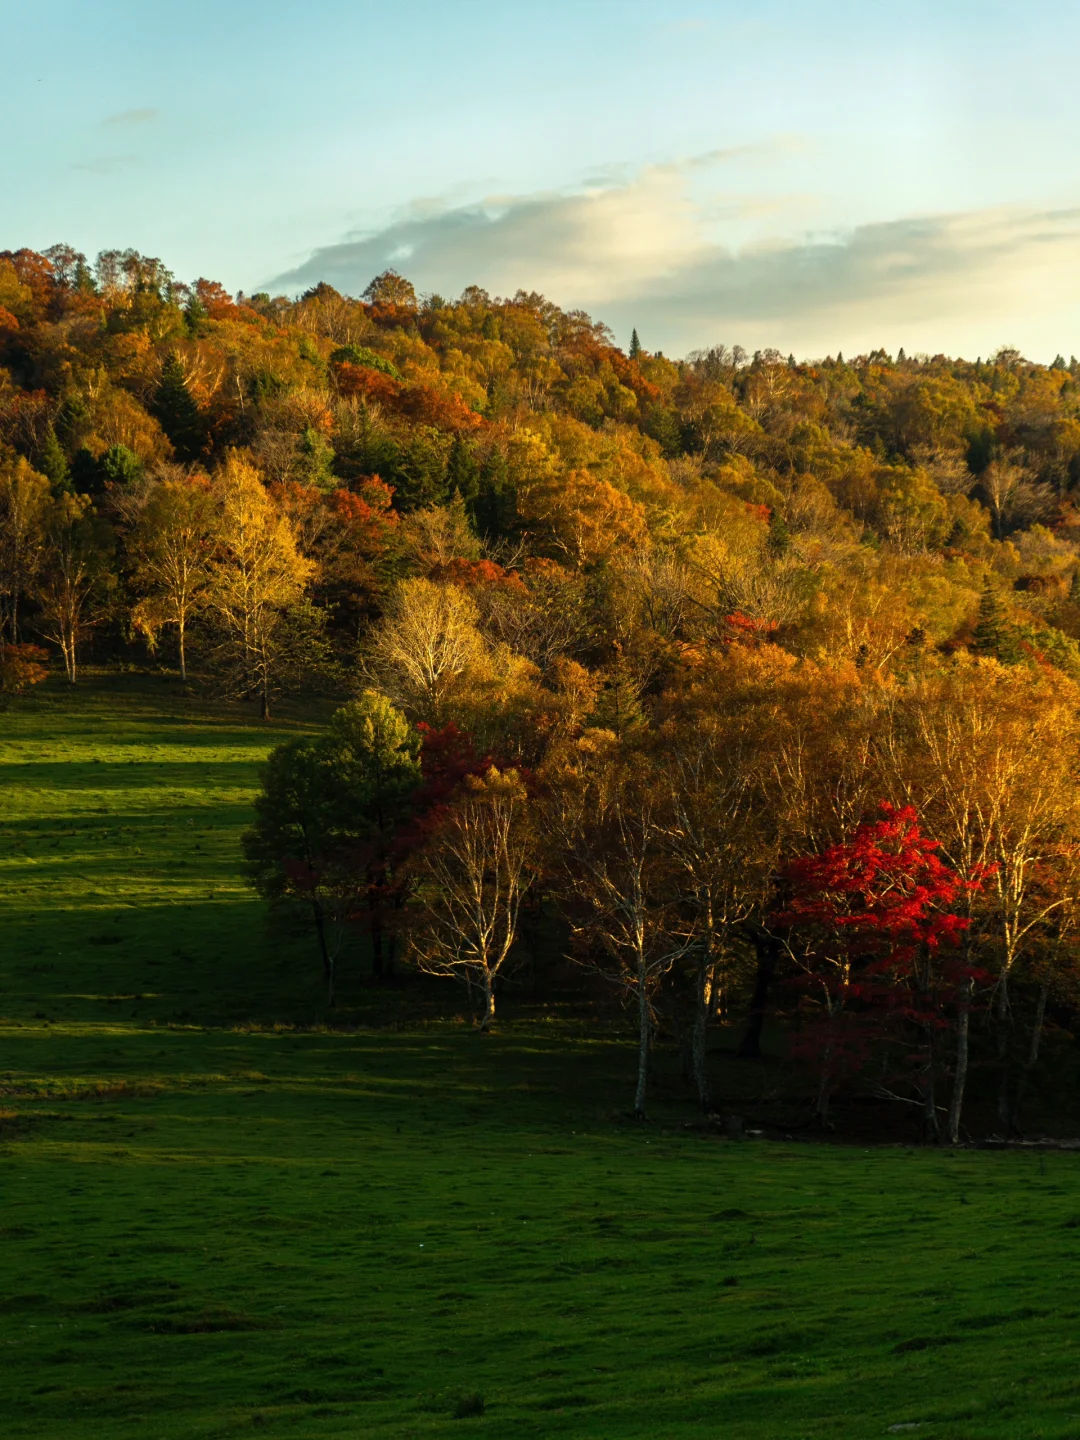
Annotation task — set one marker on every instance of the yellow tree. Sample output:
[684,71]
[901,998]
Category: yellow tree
[75,575]
[24,505]
[427,641]
[171,544]
[990,755]
[256,585]
[584,519]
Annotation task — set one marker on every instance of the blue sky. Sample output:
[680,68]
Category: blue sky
[811,174]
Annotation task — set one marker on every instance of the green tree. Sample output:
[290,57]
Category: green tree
[324,818]
[993,634]
[176,409]
[120,466]
[635,345]
[54,464]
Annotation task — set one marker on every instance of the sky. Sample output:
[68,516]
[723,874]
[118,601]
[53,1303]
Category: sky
[814,175]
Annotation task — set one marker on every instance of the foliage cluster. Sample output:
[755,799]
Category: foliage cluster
[673,628]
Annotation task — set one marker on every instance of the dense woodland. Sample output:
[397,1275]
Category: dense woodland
[751,686]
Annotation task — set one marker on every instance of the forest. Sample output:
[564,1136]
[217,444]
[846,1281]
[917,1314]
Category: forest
[740,691]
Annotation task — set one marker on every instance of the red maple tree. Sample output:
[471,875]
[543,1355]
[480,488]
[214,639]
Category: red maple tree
[872,926]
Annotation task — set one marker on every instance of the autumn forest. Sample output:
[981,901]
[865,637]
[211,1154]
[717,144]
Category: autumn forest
[737,693]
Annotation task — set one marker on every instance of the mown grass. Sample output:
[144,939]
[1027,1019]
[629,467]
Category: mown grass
[211,1226]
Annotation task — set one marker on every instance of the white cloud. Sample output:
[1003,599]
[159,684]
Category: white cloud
[689,266]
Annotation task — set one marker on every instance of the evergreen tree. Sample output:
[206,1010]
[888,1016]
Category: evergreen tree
[493,508]
[635,345]
[1074,587]
[53,463]
[993,634]
[194,312]
[315,460]
[462,472]
[177,411]
[119,466]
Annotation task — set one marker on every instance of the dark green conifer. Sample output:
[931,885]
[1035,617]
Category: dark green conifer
[119,466]
[176,409]
[462,472]
[53,463]
[194,312]
[635,345]
[994,635]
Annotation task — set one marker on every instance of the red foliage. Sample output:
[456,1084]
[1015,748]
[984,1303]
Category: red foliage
[627,371]
[36,273]
[419,403]
[7,320]
[447,756]
[881,895]
[871,922]
[220,305]
[477,575]
[368,384]
[392,317]
[429,407]
[740,629]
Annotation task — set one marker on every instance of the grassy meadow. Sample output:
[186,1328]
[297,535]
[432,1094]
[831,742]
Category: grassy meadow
[221,1214]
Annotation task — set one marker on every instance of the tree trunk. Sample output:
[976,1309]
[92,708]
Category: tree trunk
[963,1026]
[768,952]
[643,1043]
[701,1034]
[327,959]
[183,658]
[489,1000]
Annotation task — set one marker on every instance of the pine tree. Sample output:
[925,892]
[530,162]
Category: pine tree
[635,345]
[194,312]
[993,635]
[54,463]
[315,460]
[1074,587]
[176,409]
[462,472]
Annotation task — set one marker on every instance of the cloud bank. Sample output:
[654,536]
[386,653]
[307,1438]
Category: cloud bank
[688,272]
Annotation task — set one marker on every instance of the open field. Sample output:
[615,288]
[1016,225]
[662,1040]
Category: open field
[213,1224]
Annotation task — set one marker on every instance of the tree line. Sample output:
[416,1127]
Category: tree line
[754,678]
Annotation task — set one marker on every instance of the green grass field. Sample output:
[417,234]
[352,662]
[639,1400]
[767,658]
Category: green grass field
[222,1216]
